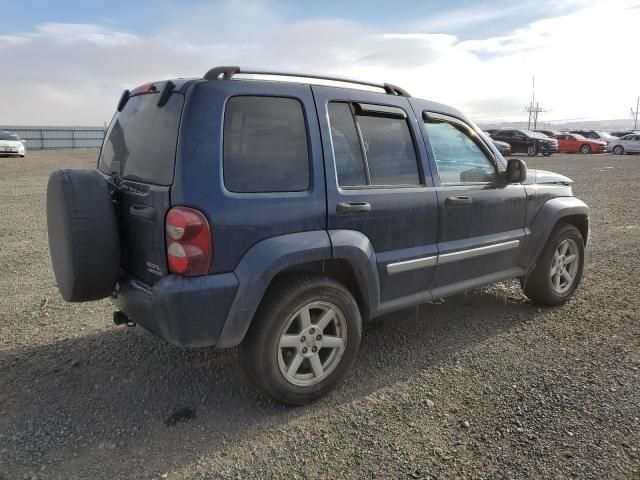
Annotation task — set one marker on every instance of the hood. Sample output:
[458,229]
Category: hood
[11,143]
[537,176]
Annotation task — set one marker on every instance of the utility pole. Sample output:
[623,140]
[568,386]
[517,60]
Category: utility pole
[533,111]
[634,115]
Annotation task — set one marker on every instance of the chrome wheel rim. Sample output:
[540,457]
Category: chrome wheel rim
[564,266]
[531,150]
[312,343]
[617,150]
[585,149]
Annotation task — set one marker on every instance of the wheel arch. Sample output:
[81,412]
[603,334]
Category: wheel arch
[569,210]
[345,256]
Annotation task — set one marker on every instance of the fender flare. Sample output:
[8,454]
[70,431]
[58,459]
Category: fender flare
[545,221]
[355,248]
[267,258]
[259,265]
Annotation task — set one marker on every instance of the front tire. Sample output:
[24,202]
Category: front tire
[618,150]
[532,151]
[303,340]
[586,149]
[558,271]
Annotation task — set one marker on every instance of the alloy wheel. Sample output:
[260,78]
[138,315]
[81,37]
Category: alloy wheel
[312,343]
[564,266]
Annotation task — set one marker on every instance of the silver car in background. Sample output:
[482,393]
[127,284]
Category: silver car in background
[627,144]
[11,145]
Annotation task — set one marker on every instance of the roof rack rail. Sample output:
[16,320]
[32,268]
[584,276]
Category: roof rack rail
[226,73]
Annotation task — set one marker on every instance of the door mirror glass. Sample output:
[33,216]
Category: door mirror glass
[516,170]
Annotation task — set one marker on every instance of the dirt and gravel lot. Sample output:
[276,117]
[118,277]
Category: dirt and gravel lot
[485,385]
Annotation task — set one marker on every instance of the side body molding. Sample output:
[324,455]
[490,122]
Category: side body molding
[257,268]
[356,249]
[544,221]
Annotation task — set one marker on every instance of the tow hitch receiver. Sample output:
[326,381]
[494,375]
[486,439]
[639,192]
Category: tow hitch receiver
[120,318]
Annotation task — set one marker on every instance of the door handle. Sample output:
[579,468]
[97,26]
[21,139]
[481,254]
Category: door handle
[459,201]
[143,211]
[353,207]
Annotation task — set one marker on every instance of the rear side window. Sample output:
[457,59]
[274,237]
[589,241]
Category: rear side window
[371,148]
[265,145]
[140,143]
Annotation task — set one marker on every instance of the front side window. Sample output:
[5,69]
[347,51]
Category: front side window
[265,145]
[458,156]
[371,148]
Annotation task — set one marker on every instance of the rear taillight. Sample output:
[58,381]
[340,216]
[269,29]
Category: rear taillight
[188,239]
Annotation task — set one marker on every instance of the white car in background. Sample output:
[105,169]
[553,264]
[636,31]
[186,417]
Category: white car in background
[10,144]
[627,144]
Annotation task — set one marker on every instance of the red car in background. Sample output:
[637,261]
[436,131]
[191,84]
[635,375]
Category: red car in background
[574,143]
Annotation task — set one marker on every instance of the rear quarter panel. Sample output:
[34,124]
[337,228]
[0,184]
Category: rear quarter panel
[240,220]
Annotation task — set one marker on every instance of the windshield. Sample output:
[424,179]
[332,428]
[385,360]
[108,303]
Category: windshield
[9,136]
[603,134]
[534,134]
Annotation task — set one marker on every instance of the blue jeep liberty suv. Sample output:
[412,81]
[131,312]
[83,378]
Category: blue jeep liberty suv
[280,214]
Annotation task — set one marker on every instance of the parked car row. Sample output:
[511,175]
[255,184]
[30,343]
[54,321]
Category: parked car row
[525,141]
[11,145]
[548,142]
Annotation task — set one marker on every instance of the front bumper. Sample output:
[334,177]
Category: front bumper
[188,312]
[548,148]
[11,151]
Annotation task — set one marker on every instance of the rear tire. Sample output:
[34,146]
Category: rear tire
[558,270]
[586,149]
[303,340]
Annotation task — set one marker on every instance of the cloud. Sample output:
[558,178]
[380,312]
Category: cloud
[74,73]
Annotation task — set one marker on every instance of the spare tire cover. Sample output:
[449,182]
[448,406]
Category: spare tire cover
[83,234]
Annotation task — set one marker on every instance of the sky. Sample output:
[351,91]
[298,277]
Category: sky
[67,62]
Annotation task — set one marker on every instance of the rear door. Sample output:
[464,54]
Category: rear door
[139,154]
[481,229]
[379,184]
[633,144]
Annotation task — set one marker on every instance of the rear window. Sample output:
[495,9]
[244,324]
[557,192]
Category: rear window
[371,149]
[140,143]
[265,145]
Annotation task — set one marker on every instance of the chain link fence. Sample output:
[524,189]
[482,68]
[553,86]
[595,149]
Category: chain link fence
[42,137]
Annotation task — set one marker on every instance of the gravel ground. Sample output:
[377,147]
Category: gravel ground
[484,385]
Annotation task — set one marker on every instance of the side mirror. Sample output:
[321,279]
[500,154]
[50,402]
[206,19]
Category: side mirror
[516,170]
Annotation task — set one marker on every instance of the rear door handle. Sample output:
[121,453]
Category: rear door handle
[143,211]
[459,201]
[353,207]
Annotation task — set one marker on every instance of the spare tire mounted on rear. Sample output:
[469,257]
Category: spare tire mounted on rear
[83,234]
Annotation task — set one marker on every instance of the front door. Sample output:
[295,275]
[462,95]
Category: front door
[481,230]
[379,184]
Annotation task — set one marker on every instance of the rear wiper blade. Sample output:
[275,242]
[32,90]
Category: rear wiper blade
[167,90]
[124,98]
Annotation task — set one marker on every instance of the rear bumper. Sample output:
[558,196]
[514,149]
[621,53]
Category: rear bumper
[188,312]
